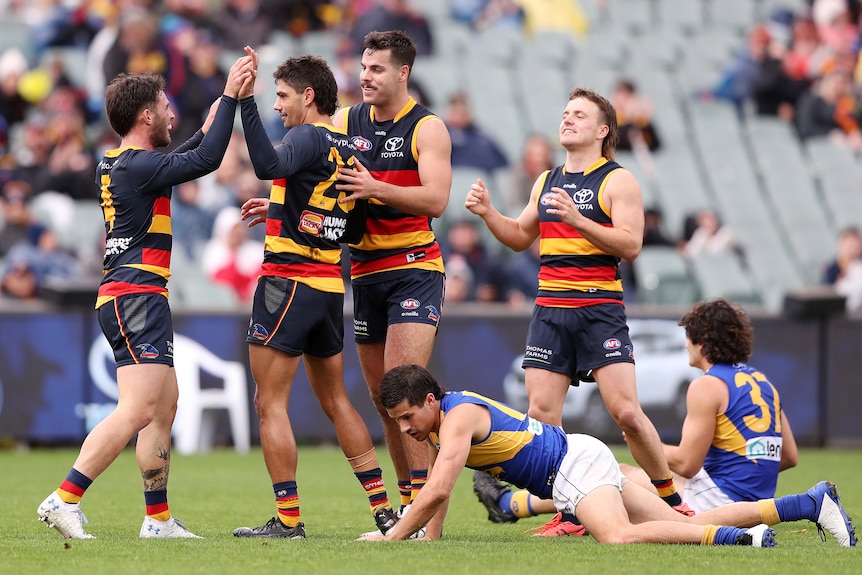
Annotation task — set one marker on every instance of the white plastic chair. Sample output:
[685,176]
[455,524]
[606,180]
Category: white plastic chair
[197,408]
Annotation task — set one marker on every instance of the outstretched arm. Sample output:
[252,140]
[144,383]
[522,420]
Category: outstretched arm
[517,234]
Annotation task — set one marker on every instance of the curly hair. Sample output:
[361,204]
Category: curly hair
[127,95]
[307,71]
[723,329]
[401,47]
[411,382]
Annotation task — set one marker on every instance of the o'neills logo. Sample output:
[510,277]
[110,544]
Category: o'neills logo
[310,223]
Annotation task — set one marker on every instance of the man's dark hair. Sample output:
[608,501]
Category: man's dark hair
[411,382]
[401,47]
[608,117]
[723,329]
[312,72]
[127,95]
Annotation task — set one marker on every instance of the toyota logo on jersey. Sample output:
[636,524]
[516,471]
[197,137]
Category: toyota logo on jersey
[583,196]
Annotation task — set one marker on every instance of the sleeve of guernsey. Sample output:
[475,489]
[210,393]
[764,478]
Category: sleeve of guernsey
[165,170]
[298,150]
[190,144]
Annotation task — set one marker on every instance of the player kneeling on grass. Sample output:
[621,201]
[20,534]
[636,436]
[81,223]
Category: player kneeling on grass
[578,472]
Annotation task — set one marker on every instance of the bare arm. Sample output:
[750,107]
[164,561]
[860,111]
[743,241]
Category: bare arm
[622,197]
[789,451]
[456,434]
[706,397]
[517,234]
[430,198]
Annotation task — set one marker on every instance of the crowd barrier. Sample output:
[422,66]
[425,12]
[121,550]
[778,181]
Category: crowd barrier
[57,378]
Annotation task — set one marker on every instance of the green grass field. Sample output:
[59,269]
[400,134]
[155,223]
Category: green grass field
[216,492]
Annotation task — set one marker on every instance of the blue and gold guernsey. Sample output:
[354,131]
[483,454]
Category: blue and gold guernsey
[745,454]
[305,221]
[393,240]
[574,272]
[518,450]
[136,189]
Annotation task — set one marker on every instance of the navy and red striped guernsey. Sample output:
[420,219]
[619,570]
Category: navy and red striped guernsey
[136,189]
[305,222]
[574,272]
[393,240]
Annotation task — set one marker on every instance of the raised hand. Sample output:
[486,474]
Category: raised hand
[254,208]
[478,199]
[247,88]
[243,69]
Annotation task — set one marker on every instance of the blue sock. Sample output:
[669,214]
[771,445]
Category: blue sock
[795,507]
[727,535]
[505,503]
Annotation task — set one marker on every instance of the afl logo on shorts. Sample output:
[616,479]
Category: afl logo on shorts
[612,343]
[411,303]
[147,351]
[361,143]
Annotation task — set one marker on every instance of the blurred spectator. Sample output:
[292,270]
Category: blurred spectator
[710,236]
[300,16]
[849,250]
[240,23]
[489,13]
[850,285]
[13,107]
[554,15]
[830,109]
[418,93]
[522,271]
[806,54]
[140,47]
[219,189]
[459,280]
[654,234]
[470,145]
[18,280]
[44,256]
[463,245]
[16,214]
[205,82]
[634,118]
[737,78]
[835,23]
[774,91]
[394,15]
[537,157]
[191,224]
[230,257]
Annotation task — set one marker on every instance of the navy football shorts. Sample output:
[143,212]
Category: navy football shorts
[139,329]
[296,319]
[409,296]
[574,341]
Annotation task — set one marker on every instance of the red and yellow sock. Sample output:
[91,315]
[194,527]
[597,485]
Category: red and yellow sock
[418,479]
[287,502]
[404,492]
[372,481]
[73,487]
[667,490]
[157,504]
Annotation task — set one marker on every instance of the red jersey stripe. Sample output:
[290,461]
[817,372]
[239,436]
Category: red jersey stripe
[398,177]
